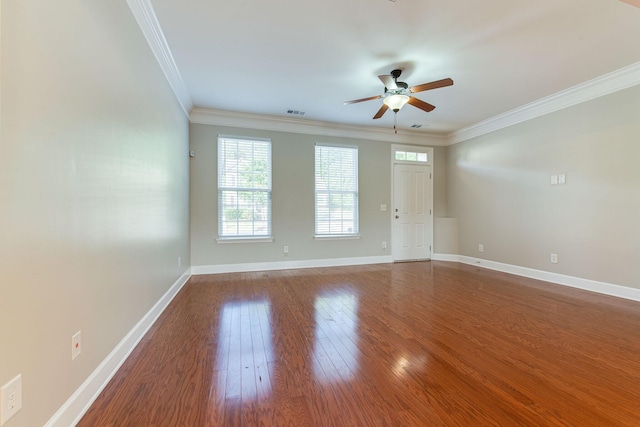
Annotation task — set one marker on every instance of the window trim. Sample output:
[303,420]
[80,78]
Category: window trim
[245,239]
[336,237]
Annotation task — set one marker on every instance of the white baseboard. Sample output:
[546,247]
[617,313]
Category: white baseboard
[75,407]
[288,265]
[560,279]
[445,257]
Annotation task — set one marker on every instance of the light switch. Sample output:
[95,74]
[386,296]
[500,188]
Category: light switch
[554,179]
[562,179]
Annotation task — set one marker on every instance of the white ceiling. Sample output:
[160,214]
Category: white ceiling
[259,57]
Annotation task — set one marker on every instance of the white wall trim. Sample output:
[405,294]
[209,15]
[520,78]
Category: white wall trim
[595,88]
[559,279]
[206,116]
[75,407]
[288,265]
[445,257]
[147,20]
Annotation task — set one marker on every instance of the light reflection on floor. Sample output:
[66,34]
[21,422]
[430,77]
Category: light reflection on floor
[336,351]
[405,364]
[245,349]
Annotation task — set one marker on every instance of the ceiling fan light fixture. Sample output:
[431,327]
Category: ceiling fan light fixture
[396,102]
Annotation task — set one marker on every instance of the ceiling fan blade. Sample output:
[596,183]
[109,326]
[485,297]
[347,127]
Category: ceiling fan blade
[381,111]
[388,82]
[363,99]
[421,104]
[433,85]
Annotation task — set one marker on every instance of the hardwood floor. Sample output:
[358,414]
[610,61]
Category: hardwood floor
[415,344]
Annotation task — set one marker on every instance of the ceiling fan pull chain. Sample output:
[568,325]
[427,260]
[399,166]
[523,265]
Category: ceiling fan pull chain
[395,121]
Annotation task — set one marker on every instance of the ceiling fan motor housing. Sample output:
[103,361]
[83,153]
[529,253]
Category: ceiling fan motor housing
[400,85]
[402,89]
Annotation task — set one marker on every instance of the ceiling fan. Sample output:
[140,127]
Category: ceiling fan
[397,94]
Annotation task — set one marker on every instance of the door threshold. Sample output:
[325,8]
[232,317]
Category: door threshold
[411,260]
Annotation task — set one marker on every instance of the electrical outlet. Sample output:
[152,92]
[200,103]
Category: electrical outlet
[11,398]
[554,258]
[286,249]
[480,247]
[76,345]
[562,179]
[384,245]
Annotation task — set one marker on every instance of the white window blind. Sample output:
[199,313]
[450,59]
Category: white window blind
[336,188]
[244,188]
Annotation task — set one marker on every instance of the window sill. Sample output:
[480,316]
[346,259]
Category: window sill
[225,240]
[337,237]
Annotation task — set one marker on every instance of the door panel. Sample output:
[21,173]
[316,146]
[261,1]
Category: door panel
[405,206]
[419,179]
[419,235]
[412,221]
[405,235]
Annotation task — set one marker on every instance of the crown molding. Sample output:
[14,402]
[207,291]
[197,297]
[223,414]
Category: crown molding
[600,86]
[207,116]
[147,20]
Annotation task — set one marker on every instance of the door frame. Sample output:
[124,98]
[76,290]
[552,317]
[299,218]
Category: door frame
[429,162]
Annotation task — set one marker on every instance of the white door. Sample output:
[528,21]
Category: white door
[412,216]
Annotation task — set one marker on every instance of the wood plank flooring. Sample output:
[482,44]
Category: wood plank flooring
[412,344]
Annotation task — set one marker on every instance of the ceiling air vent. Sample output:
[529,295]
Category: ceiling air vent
[296,112]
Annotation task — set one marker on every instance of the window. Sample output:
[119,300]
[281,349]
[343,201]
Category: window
[244,188]
[411,156]
[336,191]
